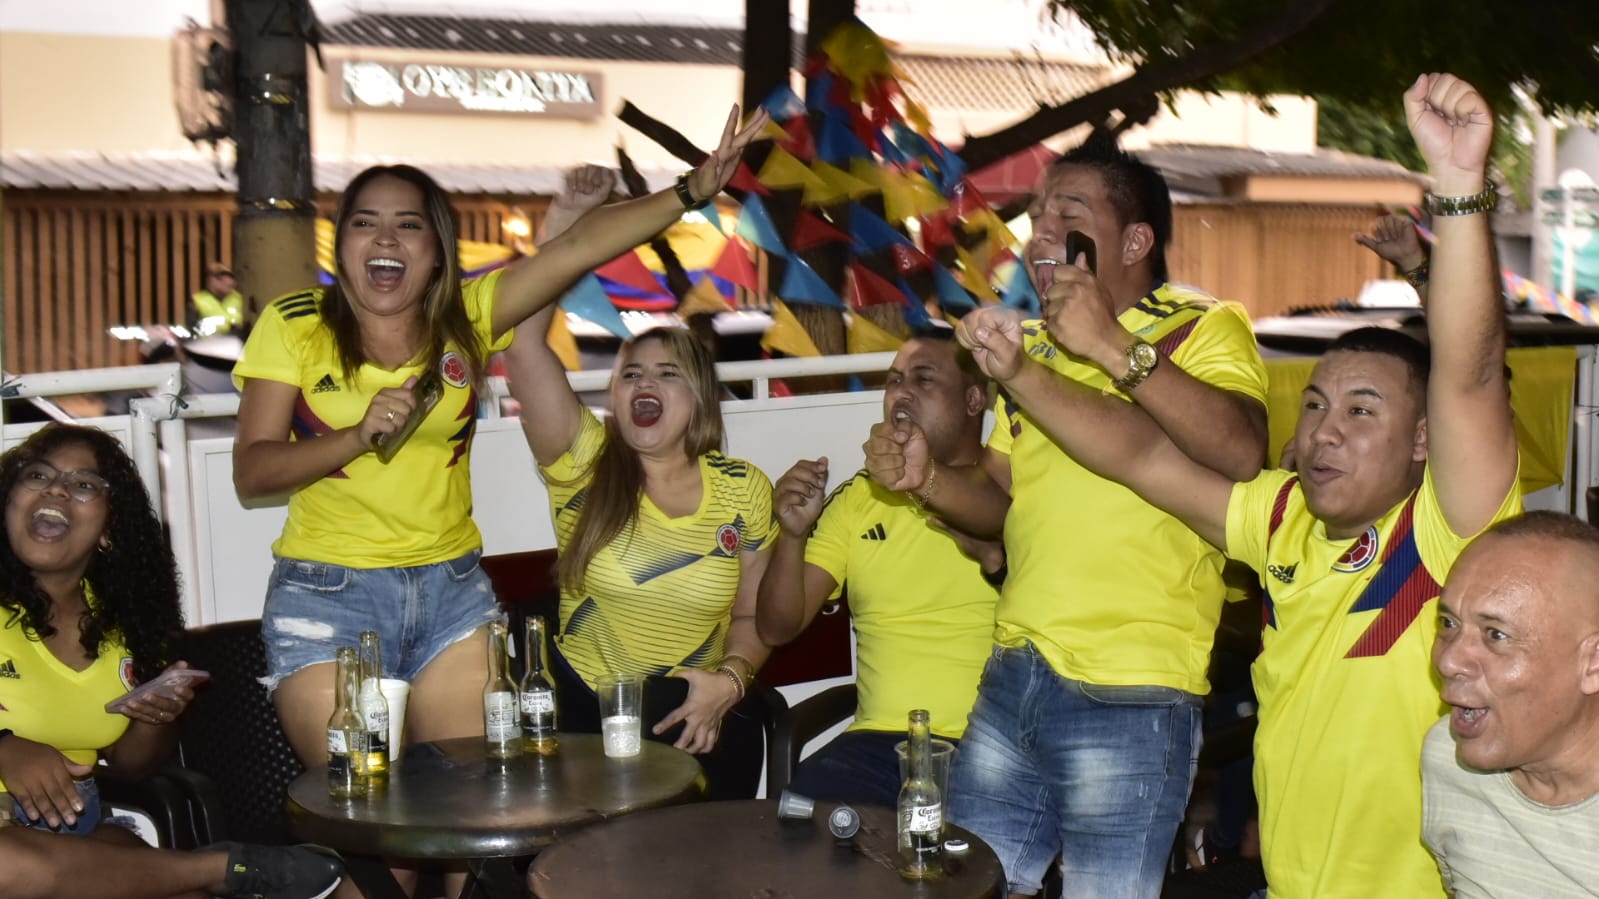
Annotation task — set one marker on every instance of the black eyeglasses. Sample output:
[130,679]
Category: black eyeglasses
[84,486]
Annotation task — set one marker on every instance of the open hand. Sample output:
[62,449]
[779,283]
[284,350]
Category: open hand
[710,695]
[710,176]
[1453,128]
[40,779]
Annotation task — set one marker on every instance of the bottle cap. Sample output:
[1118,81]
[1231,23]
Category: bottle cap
[844,822]
[955,847]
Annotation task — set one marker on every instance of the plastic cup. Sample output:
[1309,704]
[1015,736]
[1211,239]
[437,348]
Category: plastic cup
[793,805]
[621,709]
[395,692]
[943,754]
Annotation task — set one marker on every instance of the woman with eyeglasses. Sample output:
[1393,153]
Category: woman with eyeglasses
[88,609]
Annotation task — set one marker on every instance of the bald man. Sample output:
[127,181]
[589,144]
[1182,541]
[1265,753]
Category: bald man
[1511,776]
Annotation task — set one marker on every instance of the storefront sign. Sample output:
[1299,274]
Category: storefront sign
[432,87]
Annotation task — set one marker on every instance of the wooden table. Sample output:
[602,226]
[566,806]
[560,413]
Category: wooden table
[447,800]
[712,850]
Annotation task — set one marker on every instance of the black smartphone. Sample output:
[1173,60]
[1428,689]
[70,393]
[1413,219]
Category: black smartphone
[428,391]
[1078,243]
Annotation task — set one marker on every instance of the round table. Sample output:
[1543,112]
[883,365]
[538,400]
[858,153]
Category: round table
[448,800]
[709,850]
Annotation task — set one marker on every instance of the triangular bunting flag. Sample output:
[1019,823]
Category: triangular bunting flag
[782,170]
[797,138]
[915,309]
[755,226]
[909,195]
[908,259]
[628,269]
[734,265]
[562,343]
[783,104]
[1019,291]
[745,180]
[861,335]
[838,144]
[588,301]
[868,288]
[839,183]
[787,335]
[869,230]
[801,284]
[951,295]
[812,230]
[702,297]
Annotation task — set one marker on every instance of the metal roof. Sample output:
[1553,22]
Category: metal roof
[1200,168]
[637,42]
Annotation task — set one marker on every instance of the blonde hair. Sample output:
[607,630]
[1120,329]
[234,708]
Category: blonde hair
[611,503]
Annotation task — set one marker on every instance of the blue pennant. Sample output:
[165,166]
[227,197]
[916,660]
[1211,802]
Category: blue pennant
[868,229]
[588,301]
[951,295]
[1020,294]
[801,284]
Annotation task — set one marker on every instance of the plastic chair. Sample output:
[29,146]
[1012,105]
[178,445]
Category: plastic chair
[799,724]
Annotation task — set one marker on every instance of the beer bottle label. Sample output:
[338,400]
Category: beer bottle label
[337,745]
[925,818]
[540,703]
[377,720]
[499,716]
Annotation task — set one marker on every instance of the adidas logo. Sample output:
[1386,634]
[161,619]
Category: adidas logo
[8,668]
[326,385]
[875,532]
[1283,573]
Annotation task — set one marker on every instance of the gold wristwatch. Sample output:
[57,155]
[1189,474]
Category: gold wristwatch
[1141,360]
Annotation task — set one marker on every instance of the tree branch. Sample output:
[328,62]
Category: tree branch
[1134,90]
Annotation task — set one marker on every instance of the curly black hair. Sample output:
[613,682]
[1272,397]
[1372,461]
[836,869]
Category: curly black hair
[134,580]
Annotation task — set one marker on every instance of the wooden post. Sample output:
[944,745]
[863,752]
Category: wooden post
[274,243]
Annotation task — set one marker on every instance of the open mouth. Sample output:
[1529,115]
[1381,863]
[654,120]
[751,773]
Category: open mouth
[1044,271]
[48,524]
[385,274]
[901,415]
[645,411]
[1467,721]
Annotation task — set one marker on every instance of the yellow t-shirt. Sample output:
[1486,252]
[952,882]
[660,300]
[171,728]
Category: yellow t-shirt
[1346,688]
[1110,589]
[923,615]
[45,701]
[416,510]
[659,597]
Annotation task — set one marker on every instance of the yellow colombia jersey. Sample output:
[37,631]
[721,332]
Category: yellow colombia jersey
[923,615]
[1110,589]
[416,510]
[43,700]
[660,596]
[1346,688]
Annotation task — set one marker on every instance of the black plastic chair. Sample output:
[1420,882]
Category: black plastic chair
[797,725]
[230,735]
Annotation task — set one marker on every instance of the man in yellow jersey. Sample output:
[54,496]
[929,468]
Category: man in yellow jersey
[923,610]
[1400,461]
[218,308]
[1510,778]
[1086,727]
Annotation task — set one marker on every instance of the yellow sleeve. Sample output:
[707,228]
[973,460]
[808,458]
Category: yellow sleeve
[576,464]
[1438,545]
[273,351]
[828,548]
[762,522]
[1223,353]
[1005,415]
[1249,516]
[479,295]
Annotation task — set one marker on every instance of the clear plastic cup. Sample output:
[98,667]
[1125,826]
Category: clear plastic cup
[621,710]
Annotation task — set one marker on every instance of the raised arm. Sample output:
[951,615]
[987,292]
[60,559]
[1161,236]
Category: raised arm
[536,281]
[1471,441]
[1131,450]
[550,410]
[1218,428]
[1394,238]
[971,498]
[791,591]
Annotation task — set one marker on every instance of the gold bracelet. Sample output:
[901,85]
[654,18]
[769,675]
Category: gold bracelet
[737,681]
[749,666]
[925,495]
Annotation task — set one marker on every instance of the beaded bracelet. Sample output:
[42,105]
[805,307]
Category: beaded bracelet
[737,681]
[749,666]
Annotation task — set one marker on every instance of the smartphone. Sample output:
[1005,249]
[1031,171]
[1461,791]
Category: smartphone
[428,391]
[164,684]
[1077,244]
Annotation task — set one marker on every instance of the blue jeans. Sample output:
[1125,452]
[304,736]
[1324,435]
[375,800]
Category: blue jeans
[857,766]
[313,608]
[1100,774]
[88,819]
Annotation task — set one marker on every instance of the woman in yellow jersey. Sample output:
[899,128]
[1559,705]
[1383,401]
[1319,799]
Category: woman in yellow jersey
[384,540]
[662,540]
[88,609]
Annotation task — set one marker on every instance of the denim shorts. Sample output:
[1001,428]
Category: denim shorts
[1099,774]
[88,819]
[313,608]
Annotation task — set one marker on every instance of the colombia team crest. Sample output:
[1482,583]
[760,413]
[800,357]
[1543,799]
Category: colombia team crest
[126,669]
[728,538]
[1363,553]
[453,370]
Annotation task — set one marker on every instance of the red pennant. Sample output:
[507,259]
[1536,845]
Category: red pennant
[936,231]
[868,288]
[864,129]
[838,95]
[966,199]
[745,180]
[909,259]
[800,143]
[734,265]
[630,270]
[812,230]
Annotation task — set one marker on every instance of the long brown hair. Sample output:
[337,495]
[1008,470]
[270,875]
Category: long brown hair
[444,318]
[615,491]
